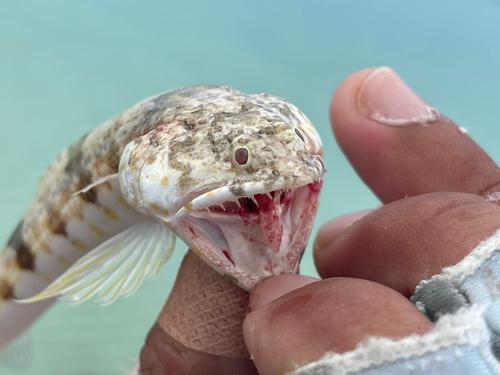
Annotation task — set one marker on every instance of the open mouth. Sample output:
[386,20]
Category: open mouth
[251,238]
[266,209]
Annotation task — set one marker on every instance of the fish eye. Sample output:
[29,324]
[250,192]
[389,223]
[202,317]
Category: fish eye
[297,131]
[241,155]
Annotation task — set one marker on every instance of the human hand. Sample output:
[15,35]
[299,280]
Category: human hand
[199,329]
[429,175]
[433,181]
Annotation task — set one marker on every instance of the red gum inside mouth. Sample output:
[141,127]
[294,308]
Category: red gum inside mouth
[252,204]
[270,208]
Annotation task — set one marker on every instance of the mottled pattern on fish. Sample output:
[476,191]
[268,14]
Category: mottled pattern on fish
[60,228]
[46,226]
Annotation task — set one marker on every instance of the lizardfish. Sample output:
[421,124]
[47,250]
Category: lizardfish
[237,177]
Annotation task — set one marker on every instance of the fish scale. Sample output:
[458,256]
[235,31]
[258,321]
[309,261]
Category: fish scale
[109,207]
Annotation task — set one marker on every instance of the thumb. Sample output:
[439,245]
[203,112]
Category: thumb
[316,317]
[199,330]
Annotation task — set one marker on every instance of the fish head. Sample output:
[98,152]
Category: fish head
[237,177]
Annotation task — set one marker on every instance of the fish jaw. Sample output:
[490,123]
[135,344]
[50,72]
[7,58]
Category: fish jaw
[250,238]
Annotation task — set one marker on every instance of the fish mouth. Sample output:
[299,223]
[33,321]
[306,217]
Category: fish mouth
[267,209]
[252,237]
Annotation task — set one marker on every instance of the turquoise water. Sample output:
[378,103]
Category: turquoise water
[67,66]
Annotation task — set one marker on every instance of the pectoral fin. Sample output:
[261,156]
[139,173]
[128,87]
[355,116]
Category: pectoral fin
[96,183]
[117,266]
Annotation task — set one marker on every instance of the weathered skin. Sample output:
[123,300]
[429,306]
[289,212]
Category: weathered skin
[174,154]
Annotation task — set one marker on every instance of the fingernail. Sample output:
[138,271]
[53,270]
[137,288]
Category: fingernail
[329,231]
[385,97]
[277,286]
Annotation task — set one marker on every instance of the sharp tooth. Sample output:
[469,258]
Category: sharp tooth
[222,206]
[269,195]
[208,210]
[254,200]
[238,203]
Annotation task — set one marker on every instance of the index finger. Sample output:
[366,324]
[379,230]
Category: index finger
[401,146]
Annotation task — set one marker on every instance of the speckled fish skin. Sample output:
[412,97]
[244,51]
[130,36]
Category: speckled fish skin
[187,165]
[198,125]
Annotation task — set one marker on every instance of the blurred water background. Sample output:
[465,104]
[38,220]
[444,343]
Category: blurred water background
[67,66]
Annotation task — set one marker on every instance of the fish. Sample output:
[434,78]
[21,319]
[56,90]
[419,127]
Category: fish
[237,177]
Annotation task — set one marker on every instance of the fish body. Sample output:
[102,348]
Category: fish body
[237,177]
